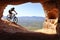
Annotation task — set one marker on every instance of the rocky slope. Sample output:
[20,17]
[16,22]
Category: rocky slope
[11,27]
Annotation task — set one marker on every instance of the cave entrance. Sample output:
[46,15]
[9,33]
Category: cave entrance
[30,15]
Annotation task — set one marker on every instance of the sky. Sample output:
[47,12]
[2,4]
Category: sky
[26,9]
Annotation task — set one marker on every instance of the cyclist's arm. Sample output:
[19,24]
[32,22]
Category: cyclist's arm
[15,11]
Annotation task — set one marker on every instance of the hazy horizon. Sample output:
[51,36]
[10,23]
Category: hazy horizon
[27,16]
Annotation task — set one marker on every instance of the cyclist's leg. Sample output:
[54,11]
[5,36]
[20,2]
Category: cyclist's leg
[10,16]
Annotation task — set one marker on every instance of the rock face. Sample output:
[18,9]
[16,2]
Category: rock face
[11,27]
[51,7]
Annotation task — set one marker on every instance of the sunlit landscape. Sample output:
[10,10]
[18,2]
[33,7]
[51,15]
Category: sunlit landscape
[31,23]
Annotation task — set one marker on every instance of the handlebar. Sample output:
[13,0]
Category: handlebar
[15,11]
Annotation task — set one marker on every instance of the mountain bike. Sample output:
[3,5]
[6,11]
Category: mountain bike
[13,18]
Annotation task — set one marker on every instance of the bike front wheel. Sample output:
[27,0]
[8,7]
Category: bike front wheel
[15,20]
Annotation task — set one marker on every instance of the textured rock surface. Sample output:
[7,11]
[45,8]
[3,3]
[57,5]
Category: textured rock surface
[11,27]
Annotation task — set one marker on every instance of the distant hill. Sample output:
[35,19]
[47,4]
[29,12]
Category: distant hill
[31,18]
[31,23]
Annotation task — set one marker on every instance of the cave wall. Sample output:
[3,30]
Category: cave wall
[50,6]
[51,13]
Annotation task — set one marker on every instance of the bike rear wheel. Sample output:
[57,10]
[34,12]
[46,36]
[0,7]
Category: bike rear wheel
[8,18]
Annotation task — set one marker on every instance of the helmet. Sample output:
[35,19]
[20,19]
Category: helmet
[12,8]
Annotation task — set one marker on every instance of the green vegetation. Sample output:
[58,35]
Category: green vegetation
[31,24]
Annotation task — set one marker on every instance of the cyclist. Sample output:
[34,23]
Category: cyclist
[11,12]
